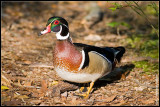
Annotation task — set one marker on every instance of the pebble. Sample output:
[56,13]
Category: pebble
[92,37]
[65,94]
[141,88]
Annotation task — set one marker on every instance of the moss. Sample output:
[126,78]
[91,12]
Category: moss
[147,67]
[145,45]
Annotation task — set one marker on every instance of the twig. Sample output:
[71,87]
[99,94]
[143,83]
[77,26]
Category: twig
[41,65]
[143,14]
[118,31]
[22,86]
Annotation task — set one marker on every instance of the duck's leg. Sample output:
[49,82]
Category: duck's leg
[85,95]
[89,90]
[83,88]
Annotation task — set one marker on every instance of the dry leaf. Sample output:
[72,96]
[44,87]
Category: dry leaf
[27,62]
[44,86]
[109,99]
[28,83]
[43,104]
[5,81]
[36,101]
[149,101]
[17,95]
[12,103]
[120,103]
[53,83]
[35,94]
[4,87]
[23,96]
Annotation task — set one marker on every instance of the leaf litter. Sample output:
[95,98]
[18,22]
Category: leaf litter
[28,77]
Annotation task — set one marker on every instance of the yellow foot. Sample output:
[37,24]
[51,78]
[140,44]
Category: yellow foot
[83,89]
[85,95]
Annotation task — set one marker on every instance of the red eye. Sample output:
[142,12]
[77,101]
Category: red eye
[56,22]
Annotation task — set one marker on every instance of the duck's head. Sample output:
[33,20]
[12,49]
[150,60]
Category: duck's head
[58,25]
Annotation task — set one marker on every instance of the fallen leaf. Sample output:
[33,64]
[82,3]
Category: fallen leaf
[5,80]
[109,99]
[27,62]
[36,101]
[44,86]
[5,97]
[120,103]
[43,104]
[28,83]
[53,83]
[12,103]
[17,95]
[4,88]
[149,101]
[23,96]
[35,95]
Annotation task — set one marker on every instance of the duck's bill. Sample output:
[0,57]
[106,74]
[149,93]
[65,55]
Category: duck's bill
[45,31]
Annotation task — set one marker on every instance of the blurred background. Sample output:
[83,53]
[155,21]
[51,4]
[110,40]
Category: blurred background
[133,25]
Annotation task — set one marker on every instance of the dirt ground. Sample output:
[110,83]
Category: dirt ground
[22,51]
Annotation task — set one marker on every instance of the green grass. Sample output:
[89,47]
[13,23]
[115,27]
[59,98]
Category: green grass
[147,67]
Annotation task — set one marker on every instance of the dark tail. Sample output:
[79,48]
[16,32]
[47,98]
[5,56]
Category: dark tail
[119,52]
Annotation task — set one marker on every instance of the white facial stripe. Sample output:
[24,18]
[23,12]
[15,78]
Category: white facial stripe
[58,35]
[65,25]
[83,59]
[53,20]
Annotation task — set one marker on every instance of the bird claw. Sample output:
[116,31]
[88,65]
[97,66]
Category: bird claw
[84,95]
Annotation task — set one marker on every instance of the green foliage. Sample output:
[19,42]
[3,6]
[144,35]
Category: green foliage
[134,42]
[113,8]
[155,7]
[147,67]
[139,10]
[150,10]
[117,24]
[144,45]
[116,6]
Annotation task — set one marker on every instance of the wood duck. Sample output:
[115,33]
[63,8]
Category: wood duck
[77,62]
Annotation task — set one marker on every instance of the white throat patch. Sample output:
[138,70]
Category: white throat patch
[59,36]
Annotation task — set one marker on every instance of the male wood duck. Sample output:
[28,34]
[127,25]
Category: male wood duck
[77,62]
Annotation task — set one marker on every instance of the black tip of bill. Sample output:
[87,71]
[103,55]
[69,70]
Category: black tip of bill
[39,33]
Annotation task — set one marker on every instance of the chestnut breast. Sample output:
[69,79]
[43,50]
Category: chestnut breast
[67,56]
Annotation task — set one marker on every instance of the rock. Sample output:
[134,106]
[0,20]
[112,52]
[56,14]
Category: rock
[141,88]
[92,37]
[65,94]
